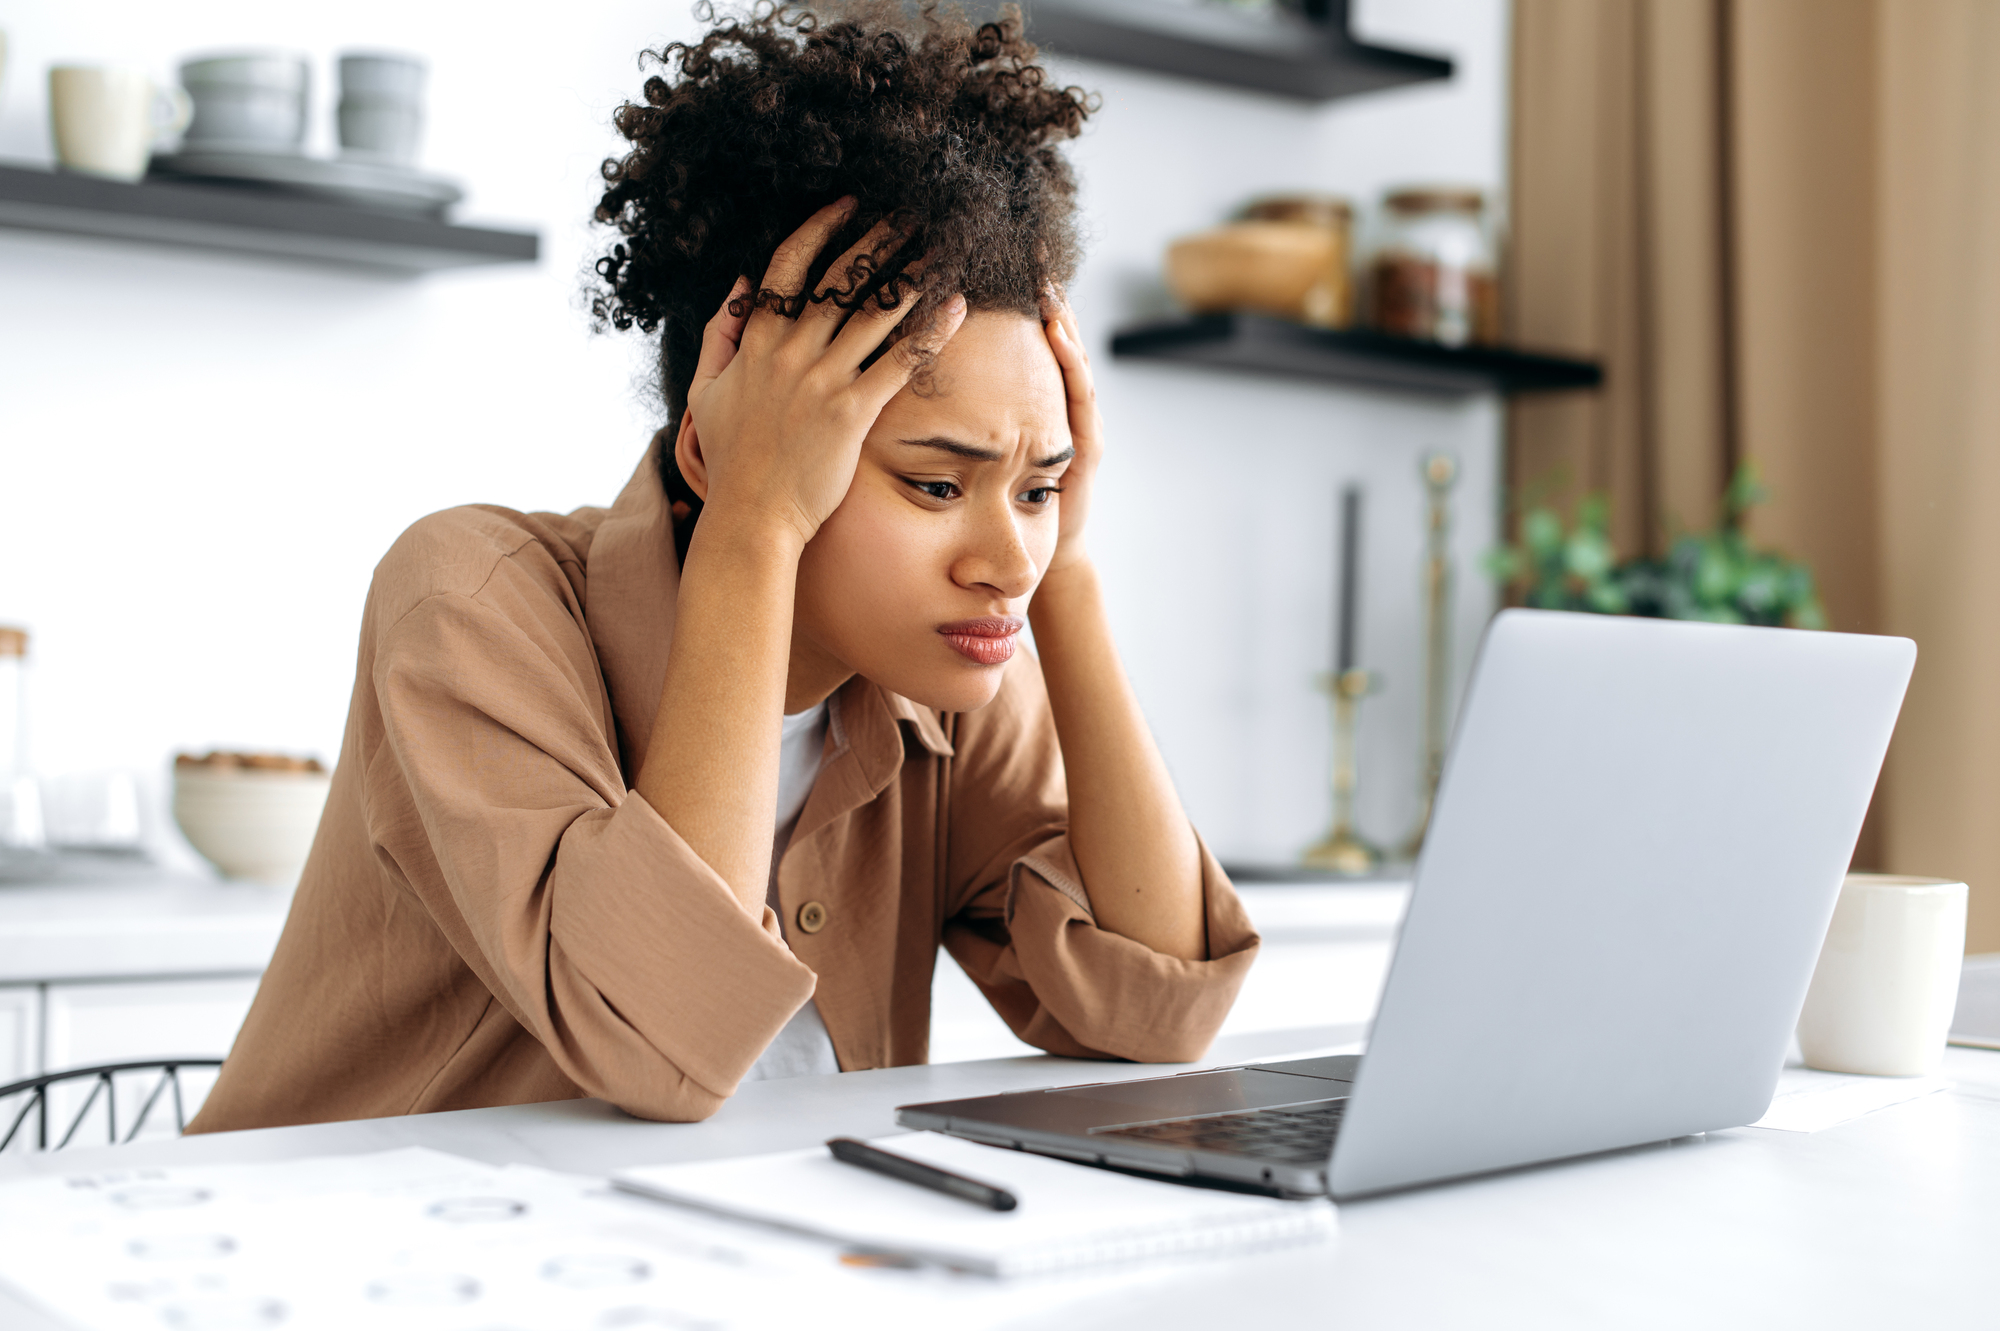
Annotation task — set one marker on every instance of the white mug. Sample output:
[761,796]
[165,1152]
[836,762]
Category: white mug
[106,121]
[1882,995]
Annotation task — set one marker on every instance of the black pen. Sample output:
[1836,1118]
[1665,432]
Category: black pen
[850,1151]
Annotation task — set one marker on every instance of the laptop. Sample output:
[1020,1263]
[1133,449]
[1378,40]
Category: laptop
[1633,858]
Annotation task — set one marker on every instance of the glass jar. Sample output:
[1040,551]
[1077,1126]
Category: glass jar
[1433,272]
[20,796]
[13,703]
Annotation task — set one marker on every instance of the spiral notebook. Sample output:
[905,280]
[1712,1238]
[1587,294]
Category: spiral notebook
[1070,1217]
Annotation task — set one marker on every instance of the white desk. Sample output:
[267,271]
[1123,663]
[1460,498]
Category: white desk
[1889,1221]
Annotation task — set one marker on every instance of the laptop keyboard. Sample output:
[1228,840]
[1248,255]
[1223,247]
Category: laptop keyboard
[1300,1134]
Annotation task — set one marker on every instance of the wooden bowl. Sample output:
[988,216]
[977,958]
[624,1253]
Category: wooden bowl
[1294,270]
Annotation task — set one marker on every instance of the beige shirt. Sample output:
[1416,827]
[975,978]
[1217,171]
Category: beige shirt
[491,916]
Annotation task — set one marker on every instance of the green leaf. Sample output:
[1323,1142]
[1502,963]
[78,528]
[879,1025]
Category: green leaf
[1542,533]
[1593,513]
[1762,589]
[1745,492]
[1587,555]
[1606,598]
[1715,576]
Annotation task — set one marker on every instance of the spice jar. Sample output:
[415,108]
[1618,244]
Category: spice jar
[1286,256]
[1433,271]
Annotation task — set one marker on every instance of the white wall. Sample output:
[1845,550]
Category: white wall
[201,457]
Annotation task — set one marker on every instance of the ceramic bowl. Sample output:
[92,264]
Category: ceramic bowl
[254,826]
[382,74]
[252,101]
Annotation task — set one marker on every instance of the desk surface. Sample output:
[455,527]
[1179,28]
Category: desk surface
[1889,1220]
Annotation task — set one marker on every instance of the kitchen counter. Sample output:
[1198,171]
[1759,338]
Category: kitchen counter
[106,959]
[137,922]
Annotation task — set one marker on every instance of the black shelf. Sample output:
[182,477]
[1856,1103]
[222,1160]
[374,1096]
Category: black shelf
[1395,873]
[1282,53]
[245,221]
[1259,344]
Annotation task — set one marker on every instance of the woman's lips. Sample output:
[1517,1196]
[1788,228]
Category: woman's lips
[987,641]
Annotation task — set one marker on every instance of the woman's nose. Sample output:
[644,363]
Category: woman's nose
[996,556]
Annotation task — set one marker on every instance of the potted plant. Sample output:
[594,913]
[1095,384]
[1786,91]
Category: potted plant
[1714,576]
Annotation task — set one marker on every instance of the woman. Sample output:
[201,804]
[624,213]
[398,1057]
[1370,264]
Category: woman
[550,866]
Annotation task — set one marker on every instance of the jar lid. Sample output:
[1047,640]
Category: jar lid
[13,641]
[1435,199]
[1314,209]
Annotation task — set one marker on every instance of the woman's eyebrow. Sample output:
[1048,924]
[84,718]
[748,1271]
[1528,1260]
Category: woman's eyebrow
[957,449]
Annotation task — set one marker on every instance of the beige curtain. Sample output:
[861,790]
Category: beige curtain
[1778,224]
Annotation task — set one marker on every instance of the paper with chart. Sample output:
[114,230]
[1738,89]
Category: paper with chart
[419,1239]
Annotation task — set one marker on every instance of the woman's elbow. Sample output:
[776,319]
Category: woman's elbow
[655,1090]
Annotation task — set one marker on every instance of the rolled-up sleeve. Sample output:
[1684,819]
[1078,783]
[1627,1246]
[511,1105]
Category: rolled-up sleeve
[1020,922]
[495,795]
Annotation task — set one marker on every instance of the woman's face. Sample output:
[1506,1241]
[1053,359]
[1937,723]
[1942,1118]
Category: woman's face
[920,580]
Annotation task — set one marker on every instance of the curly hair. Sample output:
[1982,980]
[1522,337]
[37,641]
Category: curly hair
[948,129]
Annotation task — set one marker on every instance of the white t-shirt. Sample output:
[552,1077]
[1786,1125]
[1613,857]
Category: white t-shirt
[803,1048]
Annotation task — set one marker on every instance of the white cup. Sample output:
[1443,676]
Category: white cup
[1882,995]
[106,121]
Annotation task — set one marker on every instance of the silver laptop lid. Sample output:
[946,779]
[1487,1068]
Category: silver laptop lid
[1636,847]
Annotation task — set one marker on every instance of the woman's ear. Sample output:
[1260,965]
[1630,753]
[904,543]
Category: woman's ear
[687,456]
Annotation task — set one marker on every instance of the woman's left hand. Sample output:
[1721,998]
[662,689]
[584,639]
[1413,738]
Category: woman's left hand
[1086,429]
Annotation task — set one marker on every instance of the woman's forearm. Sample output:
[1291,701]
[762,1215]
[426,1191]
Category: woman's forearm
[711,766]
[1133,844]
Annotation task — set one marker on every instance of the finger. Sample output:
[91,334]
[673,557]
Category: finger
[1067,317]
[886,377]
[851,275]
[1077,380]
[723,335]
[794,258]
[870,323]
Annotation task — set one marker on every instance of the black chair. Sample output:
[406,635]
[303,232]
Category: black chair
[37,1103]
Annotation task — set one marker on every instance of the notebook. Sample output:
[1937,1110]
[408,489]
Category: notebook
[1069,1218]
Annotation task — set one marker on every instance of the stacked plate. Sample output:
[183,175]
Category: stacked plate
[351,178]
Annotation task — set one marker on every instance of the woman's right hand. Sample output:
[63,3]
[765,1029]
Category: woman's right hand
[778,407]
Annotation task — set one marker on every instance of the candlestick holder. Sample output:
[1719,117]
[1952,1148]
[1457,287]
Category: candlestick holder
[1343,850]
[1440,473]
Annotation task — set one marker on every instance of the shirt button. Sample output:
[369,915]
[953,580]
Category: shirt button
[812,917]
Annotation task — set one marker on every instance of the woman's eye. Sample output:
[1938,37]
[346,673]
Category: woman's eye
[1040,495]
[936,489]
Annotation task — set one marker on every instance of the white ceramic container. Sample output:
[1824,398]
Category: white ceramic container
[255,826]
[254,100]
[1882,995]
[381,111]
